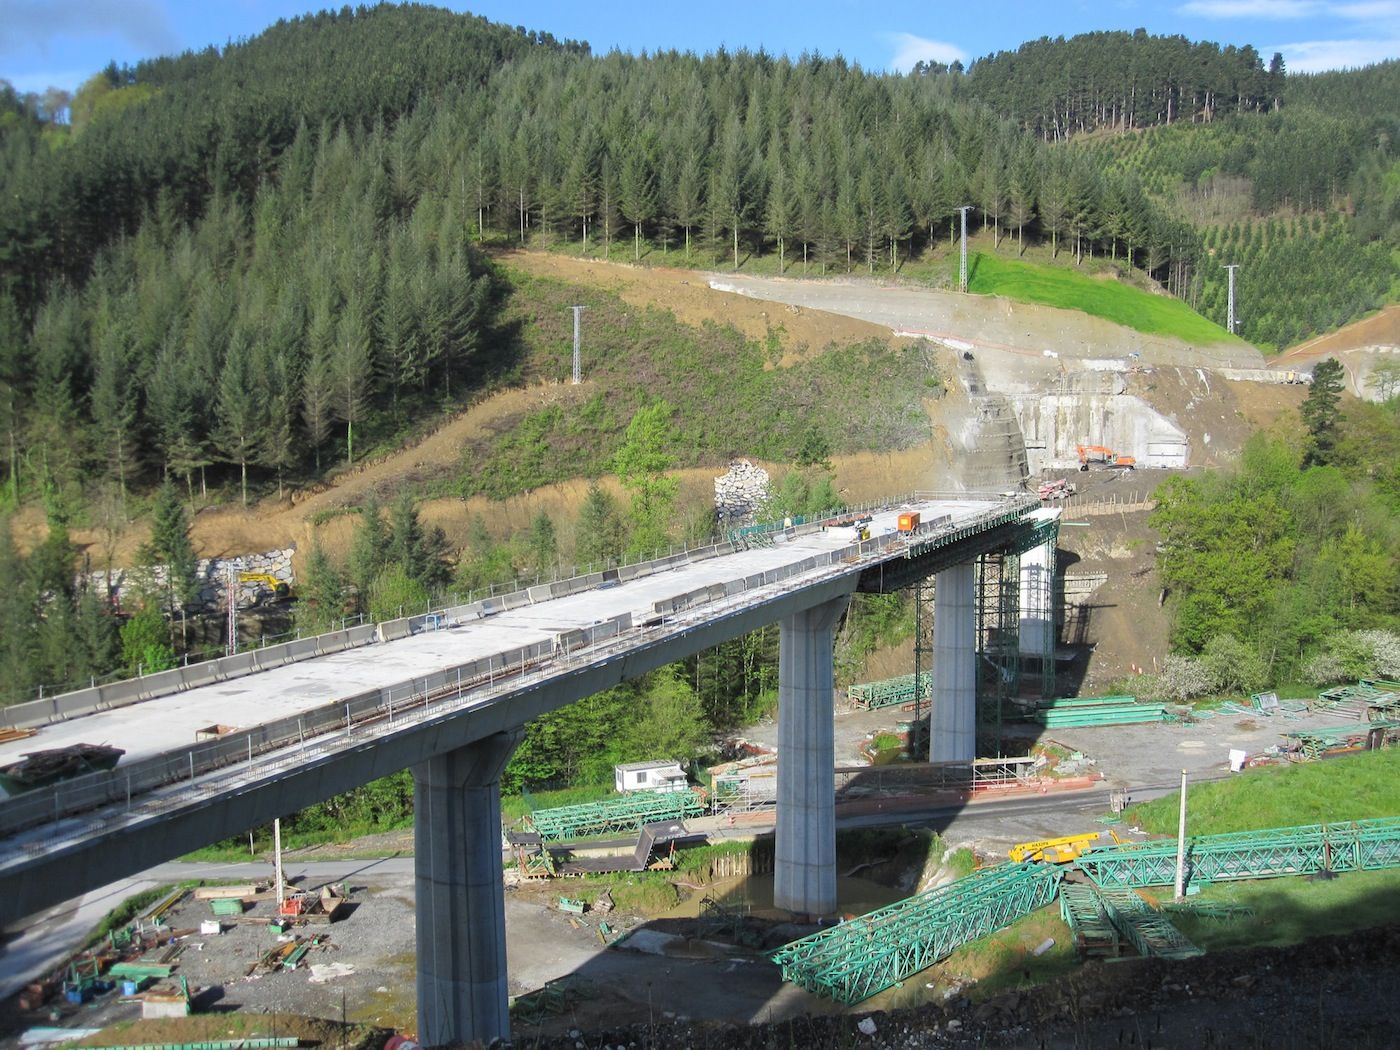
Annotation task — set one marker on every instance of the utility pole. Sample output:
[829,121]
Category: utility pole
[1181,843]
[578,363]
[1230,302]
[962,266]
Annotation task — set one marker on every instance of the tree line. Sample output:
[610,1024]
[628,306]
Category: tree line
[1056,88]
[1283,567]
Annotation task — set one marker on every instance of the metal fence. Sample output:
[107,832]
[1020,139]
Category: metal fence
[348,722]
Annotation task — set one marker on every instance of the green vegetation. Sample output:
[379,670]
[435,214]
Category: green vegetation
[847,399]
[1279,299]
[1356,787]
[1101,297]
[1283,570]
[1290,911]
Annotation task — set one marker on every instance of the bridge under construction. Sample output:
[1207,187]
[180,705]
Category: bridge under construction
[216,748]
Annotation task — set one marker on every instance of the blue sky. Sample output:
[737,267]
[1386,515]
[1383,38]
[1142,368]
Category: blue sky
[61,42]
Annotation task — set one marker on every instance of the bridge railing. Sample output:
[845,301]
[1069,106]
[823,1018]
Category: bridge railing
[141,776]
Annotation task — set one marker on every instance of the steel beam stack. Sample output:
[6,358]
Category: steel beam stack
[1361,845]
[888,692]
[624,813]
[863,956]
[1096,711]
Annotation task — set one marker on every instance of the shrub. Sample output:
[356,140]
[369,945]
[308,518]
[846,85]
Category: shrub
[1183,678]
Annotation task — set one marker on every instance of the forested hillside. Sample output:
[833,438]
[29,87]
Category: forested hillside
[1301,173]
[1058,88]
[269,247]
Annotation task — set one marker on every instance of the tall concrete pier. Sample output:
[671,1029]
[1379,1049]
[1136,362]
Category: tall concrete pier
[460,908]
[804,870]
[1037,601]
[953,719]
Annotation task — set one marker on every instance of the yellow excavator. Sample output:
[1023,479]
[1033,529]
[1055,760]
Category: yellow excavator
[277,588]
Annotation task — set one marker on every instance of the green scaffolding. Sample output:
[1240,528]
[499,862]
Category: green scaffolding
[621,814]
[998,639]
[865,955]
[1361,845]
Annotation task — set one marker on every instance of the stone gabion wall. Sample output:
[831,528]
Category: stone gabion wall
[213,575]
[740,493]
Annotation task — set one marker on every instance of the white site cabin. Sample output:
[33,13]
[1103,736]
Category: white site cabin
[662,775]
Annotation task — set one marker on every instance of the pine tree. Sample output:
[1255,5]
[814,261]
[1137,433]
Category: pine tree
[368,550]
[544,546]
[320,593]
[1321,411]
[170,546]
[598,533]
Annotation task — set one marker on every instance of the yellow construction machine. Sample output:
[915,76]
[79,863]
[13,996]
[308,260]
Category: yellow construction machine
[278,588]
[1056,851]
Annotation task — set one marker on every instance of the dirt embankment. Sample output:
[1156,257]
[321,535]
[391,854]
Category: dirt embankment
[687,294]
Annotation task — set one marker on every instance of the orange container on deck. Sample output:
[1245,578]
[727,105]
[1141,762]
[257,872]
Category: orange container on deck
[909,521]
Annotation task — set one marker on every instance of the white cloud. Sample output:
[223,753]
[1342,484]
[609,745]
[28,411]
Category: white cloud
[1315,56]
[1367,11]
[909,49]
[1277,9]
[1284,10]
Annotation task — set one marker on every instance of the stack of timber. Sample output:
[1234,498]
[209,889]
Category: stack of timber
[1075,712]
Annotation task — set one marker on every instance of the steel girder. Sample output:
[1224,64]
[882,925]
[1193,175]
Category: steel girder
[1146,929]
[866,955]
[627,813]
[1360,845]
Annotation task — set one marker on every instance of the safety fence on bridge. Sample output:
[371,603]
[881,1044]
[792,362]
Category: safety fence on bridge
[433,694]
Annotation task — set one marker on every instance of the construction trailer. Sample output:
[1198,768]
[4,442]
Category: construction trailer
[659,775]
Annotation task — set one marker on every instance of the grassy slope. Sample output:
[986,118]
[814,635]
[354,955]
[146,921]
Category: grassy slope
[1355,787]
[866,397]
[1101,297]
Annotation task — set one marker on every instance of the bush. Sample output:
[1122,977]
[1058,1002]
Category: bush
[1183,678]
[1233,666]
[1348,656]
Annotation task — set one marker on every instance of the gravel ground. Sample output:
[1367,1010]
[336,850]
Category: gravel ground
[1332,992]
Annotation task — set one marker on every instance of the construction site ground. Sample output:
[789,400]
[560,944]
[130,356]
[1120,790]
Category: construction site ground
[668,972]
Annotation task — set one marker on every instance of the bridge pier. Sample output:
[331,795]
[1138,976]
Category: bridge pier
[953,717]
[1037,601]
[804,867]
[460,907]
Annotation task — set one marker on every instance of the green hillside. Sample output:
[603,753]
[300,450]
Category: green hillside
[1104,297]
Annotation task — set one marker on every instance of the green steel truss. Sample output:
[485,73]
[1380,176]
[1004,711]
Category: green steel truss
[1147,930]
[1094,934]
[1361,845]
[864,956]
[1104,921]
[887,692]
[624,813]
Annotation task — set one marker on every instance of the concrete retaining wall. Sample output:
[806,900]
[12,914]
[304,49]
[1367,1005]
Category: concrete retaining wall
[1054,424]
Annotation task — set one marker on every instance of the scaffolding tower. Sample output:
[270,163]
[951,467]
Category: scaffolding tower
[998,640]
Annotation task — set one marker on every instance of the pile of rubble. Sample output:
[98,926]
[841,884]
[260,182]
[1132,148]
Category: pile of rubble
[740,493]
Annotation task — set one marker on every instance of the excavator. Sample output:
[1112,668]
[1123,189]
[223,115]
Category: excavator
[277,588]
[1099,456]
